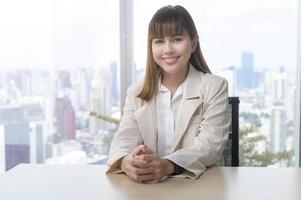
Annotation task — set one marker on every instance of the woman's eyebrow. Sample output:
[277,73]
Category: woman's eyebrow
[172,35]
[176,34]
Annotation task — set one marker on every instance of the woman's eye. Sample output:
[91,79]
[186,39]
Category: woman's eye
[158,41]
[178,39]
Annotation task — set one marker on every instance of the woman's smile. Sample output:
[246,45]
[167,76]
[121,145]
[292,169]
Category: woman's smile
[170,60]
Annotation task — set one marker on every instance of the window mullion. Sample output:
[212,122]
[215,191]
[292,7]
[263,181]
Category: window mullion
[126,47]
[298,94]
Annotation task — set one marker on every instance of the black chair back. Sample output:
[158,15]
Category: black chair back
[231,151]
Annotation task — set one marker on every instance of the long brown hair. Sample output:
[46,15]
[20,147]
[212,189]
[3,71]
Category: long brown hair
[167,21]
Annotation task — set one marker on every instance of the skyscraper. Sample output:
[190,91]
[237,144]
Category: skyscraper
[246,77]
[278,112]
[100,101]
[64,79]
[83,89]
[17,143]
[114,83]
[65,118]
[37,142]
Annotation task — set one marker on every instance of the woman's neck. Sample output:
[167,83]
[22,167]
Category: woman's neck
[173,81]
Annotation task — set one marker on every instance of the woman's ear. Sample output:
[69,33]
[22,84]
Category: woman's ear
[195,42]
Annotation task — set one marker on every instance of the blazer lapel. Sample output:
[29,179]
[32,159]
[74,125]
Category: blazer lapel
[190,102]
[147,123]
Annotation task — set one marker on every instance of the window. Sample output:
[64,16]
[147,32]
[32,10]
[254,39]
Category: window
[59,89]
[59,78]
[253,45]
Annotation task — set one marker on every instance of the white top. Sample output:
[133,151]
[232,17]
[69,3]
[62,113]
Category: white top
[167,110]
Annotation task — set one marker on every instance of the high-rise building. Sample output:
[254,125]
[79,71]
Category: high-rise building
[246,77]
[278,128]
[37,142]
[23,81]
[49,107]
[64,79]
[100,101]
[17,142]
[65,118]
[278,111]
[83,89]
[114,83]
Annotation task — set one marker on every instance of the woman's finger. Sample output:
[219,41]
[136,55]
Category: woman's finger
[147,157]
[138,150]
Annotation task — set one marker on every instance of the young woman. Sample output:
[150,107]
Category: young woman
[176,122]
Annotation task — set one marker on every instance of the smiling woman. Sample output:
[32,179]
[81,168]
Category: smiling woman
[253,45]
[158,135]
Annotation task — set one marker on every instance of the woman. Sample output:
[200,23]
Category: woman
[175,122]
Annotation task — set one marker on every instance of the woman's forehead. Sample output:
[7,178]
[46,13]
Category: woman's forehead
[166,29]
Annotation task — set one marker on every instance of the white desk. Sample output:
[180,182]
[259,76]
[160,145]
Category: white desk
[89,182]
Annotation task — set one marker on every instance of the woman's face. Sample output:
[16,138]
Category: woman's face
[172,53]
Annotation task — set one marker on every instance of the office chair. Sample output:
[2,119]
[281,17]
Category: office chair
[231,151]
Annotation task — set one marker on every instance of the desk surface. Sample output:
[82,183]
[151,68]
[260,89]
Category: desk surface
[72,182]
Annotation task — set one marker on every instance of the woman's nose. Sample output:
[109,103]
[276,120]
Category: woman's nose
[168,48]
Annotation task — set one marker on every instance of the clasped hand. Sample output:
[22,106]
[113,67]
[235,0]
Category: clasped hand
[143,165]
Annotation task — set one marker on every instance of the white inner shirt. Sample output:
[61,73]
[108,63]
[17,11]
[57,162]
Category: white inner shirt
[167,109]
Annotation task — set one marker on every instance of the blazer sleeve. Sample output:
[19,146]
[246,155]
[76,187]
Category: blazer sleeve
[208,145]
[128,136]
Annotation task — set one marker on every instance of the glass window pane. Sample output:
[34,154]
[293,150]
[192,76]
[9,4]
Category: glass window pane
[59,63]
[253,45]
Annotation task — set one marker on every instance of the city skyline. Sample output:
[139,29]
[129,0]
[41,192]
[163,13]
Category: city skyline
[70,135]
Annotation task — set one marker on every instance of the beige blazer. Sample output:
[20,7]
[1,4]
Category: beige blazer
[201,130]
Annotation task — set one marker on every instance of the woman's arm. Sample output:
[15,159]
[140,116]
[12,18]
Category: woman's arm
[208,145]
[128,137]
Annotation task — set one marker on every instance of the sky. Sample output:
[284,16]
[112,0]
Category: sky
[228,27]
[58,33]
[69,33]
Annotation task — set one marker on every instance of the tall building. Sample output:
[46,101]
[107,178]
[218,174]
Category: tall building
[49,108]
[23,81]
[37,142]
[17,143]
[100,101]
[83,89]
[246,77]
[21,142]
[114,83]
[64,79]
[278,111]
[65,118]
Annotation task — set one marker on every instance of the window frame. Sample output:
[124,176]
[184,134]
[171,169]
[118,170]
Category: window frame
[298,93]
[126,48]
[127,65]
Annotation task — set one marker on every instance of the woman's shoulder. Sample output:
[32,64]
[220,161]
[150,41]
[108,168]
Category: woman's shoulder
[211,83]
[209,78]
[135,88]
[206,78]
